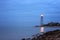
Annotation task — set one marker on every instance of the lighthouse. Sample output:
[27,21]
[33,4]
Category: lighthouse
[42,27]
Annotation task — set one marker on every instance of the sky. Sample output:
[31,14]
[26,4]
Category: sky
[22,12]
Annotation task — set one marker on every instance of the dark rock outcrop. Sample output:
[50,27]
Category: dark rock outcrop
[52,35]
[52,24]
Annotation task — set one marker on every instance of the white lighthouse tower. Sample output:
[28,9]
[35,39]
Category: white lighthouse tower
[42,27]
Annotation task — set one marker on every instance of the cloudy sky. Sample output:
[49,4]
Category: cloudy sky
[24,11]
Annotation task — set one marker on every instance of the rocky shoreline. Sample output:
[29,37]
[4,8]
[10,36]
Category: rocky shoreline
[51,35]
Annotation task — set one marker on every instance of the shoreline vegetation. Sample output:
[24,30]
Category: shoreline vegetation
[51,24]
[51,35]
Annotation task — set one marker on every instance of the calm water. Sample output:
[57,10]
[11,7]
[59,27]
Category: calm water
[16,33]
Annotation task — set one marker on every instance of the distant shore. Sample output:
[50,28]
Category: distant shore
[51,24]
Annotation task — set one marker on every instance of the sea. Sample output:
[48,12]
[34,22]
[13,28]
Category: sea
[18,33]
